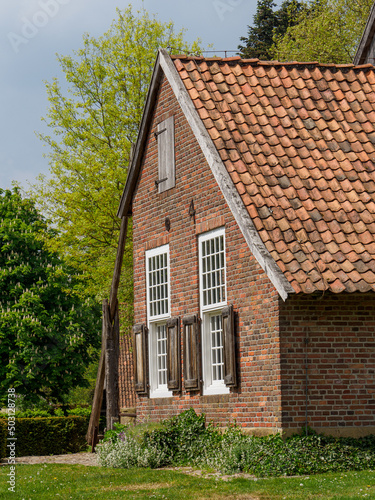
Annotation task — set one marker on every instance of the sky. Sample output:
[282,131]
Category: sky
[32,33]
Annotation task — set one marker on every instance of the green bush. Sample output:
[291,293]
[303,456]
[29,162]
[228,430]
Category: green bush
[185,439]
[3,438]
[50,435]
[182,438]
[51,412]
[272,456]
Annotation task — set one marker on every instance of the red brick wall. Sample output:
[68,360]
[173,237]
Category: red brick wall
[341,362]
[126,376]
[256,402]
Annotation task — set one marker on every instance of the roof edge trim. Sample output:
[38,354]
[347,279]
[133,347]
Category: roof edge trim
[367,36]
[224,180]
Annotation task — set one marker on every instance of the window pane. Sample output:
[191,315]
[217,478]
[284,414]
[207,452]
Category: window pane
[161,350]
[213,270]
[216,348]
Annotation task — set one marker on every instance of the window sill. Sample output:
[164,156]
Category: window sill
[161,394]
[213,390]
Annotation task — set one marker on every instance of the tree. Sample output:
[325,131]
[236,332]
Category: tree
[48,334]
[93,127]
[329,33]
[268,23]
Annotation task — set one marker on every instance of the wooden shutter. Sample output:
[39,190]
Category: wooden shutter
[140,357]
[191,328]
[166,154]
[173,355]
[229,347]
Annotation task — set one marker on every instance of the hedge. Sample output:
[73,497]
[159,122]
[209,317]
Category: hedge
[3,438]
[47,435]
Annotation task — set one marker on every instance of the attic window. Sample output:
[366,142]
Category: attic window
[166,162]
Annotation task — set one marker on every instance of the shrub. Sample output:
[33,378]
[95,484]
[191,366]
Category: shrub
[123,451]
[50,436]
[50,412]
[3,438]
[272,456]
[176,441]
[185,439]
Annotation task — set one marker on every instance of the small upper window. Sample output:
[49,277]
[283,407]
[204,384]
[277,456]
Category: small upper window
[212,259]
[166,155]
[157,269]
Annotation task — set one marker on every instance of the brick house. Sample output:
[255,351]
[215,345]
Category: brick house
[252,197]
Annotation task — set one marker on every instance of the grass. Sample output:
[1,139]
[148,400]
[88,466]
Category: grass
[66,482]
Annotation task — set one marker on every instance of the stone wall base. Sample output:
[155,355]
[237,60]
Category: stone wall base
[355,432]
[127,416]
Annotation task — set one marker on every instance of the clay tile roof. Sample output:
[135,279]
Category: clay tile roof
[298,141]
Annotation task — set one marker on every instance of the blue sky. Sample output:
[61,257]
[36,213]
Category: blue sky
[34,31]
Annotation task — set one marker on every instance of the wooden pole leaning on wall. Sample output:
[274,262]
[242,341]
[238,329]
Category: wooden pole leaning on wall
[110,327]
[98,394]
[111,368]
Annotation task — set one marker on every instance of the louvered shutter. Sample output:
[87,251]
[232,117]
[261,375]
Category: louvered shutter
[140,358]
[191,326]
[173,355]
[229,346]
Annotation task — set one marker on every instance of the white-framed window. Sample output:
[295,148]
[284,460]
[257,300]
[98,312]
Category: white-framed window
[213,297]
[158,312]
[166,155]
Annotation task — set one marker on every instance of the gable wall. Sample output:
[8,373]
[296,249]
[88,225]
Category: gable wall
[256,401]
[340,357]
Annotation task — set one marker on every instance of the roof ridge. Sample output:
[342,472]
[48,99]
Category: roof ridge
[259,62]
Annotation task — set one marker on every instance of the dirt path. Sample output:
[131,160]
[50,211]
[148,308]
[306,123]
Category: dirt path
[71,458]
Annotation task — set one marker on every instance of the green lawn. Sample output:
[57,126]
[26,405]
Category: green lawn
[79,482]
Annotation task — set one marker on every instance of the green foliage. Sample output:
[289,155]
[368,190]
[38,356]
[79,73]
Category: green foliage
[49,436]
[92,128]
[51,412]
[84,395]
[269,23]
[23,404]
[327,31]
[272,456]
[185,440]
[115,434]
[46,329]
[3,438]
[80,411]
[182,438]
